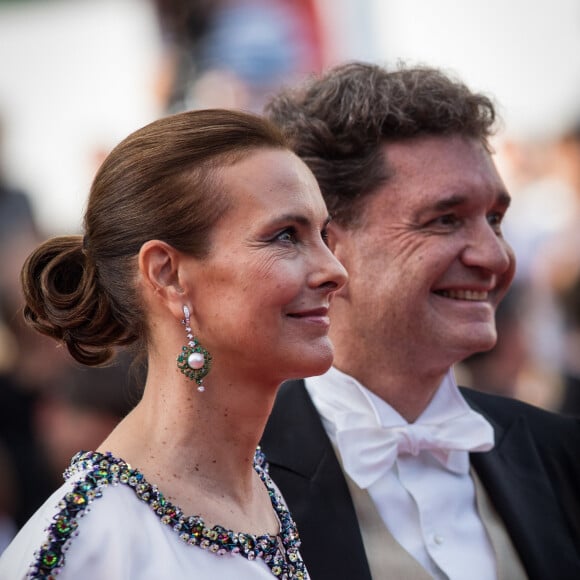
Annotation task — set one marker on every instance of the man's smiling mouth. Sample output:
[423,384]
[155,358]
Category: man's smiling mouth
[474,295]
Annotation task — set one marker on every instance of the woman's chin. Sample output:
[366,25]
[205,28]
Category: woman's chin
[316,362]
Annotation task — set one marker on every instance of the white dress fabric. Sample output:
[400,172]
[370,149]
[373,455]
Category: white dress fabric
[120,536]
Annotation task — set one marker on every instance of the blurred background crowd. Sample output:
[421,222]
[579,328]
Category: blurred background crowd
[76,76]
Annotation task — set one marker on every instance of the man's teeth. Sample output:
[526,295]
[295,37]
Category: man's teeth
[463,294]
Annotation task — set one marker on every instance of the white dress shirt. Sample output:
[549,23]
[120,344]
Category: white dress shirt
[428,508]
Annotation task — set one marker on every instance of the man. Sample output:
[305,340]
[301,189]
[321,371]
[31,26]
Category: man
[388,468]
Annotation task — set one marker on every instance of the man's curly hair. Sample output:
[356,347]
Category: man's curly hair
[338,122]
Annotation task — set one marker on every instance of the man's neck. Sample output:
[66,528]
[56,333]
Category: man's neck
[408,391]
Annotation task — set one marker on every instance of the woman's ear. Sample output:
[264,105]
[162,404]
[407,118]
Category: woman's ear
[159,269]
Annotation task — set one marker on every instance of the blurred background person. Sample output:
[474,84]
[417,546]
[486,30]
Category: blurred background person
[233,53]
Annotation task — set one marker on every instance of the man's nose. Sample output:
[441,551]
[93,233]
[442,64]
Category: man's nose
[487,249]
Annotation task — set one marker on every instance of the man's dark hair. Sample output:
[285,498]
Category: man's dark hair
[338,122]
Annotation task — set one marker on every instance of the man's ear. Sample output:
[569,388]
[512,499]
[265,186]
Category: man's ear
[159,268]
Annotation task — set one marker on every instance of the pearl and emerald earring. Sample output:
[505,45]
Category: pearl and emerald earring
[194,361]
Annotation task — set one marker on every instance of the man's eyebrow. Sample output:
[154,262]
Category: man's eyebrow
[504,199]
[449,202]
[442,205]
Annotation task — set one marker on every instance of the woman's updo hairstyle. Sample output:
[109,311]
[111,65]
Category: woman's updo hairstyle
[161,182]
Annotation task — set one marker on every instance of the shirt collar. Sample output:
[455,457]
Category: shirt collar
[335,394]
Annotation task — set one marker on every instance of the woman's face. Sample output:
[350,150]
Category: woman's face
[261,308]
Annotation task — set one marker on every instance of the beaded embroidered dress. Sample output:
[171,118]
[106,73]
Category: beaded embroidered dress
[107,521]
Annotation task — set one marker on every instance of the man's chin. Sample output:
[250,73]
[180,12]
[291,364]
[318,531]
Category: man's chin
[473,346]
[472,339]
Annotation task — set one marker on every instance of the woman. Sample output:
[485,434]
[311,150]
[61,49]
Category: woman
[204,246]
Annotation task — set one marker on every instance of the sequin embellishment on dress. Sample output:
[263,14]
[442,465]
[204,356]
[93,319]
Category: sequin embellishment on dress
[280,553]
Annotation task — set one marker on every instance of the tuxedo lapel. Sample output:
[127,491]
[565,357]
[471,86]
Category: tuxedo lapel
[303,464]
[305,468]
[518,486]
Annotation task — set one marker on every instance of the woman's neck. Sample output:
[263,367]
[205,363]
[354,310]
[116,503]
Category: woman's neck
[199,447]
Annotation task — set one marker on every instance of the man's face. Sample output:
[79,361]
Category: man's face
[428,264]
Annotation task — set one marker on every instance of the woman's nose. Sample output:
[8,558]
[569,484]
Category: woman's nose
[329,273]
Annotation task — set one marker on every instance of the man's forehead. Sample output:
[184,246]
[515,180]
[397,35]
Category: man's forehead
[434,148]
[436,172]
[448,159]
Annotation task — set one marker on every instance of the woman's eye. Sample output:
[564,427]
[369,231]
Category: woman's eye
[324,236]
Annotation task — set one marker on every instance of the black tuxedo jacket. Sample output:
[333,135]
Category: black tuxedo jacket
[532,476]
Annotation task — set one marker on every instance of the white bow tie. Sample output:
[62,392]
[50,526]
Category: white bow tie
[368,452]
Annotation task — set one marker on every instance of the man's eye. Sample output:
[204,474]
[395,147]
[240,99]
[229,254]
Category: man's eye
[287,236]
[448,219]
[495,219]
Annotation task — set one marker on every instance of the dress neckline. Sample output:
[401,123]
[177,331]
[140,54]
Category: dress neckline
[93,472]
